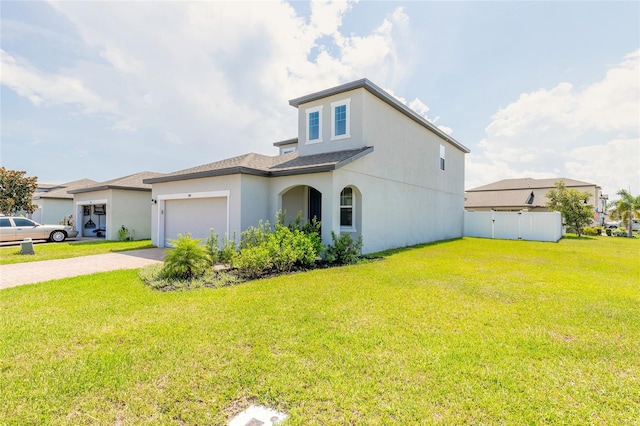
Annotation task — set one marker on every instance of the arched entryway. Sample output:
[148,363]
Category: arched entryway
[302,199]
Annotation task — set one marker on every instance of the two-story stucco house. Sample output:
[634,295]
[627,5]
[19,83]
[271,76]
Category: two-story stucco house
[362,163]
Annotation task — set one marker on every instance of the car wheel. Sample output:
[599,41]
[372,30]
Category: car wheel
[58,236]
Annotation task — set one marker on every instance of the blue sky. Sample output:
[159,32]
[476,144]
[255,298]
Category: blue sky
[101,90]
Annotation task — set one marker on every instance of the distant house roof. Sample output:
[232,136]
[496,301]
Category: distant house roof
[524,193]
[62,191]
[45,187]
[529,183]
[267,166]
[133,182]
[385,97]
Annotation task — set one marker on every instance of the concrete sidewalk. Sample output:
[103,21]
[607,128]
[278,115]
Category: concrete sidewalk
[33,272]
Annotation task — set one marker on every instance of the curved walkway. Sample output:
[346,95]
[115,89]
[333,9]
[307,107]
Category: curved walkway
[34,272]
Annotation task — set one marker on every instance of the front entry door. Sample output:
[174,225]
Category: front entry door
[315,204]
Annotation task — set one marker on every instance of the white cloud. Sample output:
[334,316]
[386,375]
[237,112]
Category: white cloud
[567,132]
[49,89]
[213,76]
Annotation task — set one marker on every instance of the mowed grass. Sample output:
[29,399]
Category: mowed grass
[68,249]
[469,331]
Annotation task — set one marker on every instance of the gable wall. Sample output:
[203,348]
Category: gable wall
[53,210]
[327,145]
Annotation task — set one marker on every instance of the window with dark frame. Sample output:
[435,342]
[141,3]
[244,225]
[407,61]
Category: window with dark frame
[346,208]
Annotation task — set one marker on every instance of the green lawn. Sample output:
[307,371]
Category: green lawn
[68,249]
[469,331]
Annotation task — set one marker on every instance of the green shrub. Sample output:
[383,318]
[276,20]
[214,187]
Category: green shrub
[254,261]
[620,232]
[608,231]
[123,234]
[220,254]
[282,248]
[344,250]
[186,260]
[255,235]
[289,248]
[592,231]
[229,251]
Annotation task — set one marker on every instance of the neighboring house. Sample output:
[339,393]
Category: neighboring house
[104,208]
[363,163]
[54,202]
[528,194]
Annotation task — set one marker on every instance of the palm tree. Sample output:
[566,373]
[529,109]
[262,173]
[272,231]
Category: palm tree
[627,208]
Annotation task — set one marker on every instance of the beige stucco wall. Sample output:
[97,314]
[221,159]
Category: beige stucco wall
[131,209]
[53,210]
[255,204]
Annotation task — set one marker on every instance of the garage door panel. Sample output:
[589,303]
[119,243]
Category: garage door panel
[195,216]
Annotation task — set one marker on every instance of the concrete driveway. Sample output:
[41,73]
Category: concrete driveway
[34,272]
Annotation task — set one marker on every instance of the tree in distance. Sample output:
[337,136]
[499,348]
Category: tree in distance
[16,191]
[572,204]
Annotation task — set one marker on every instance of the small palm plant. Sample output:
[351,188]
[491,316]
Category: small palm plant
[187,260]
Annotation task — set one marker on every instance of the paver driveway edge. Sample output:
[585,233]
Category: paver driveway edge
[33,272]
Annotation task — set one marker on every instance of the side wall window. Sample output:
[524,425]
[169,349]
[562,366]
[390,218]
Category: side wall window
[441,157]
[314,124]
[341,119]
[347,209]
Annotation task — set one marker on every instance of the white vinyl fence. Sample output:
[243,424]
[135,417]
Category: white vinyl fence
[533,226]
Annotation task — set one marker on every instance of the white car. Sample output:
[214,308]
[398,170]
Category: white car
[19,228]
[620,224]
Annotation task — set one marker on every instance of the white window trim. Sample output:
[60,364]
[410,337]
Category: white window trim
[308,112]
[442,163]
[335,104]
[352,228]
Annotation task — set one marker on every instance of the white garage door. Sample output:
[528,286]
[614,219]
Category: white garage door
[196,216]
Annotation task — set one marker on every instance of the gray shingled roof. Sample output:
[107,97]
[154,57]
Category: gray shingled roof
[62,190]
[385,97]
[133,182]
[515,193]
[268,166]
[516,198]
[528,183]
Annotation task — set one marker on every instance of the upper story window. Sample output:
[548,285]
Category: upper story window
[340,119]
[314,124]
[288,150]
[441,157]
